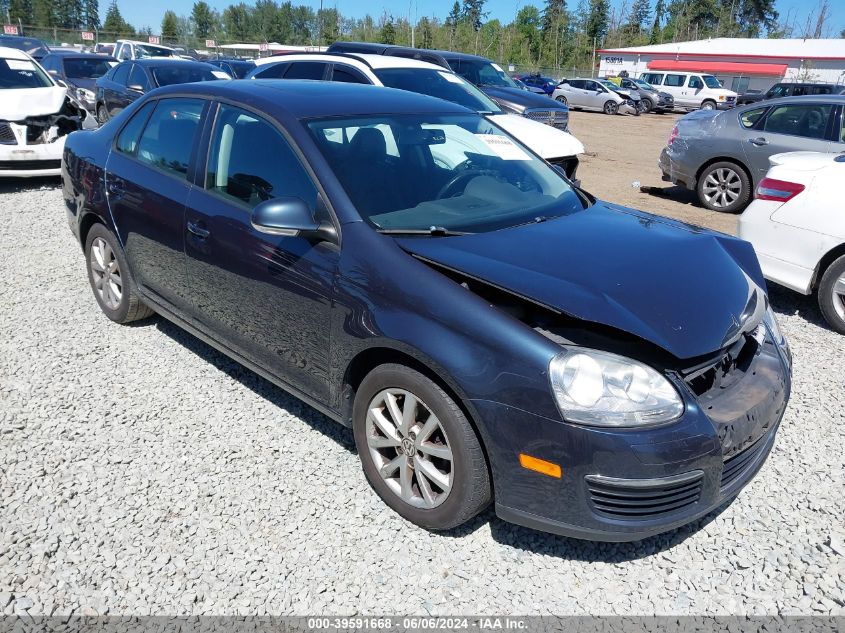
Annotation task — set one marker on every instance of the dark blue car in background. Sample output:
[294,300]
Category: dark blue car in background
[488,331]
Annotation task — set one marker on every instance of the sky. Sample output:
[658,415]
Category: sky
[150,12]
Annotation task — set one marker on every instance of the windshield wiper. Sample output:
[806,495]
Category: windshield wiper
[437,231]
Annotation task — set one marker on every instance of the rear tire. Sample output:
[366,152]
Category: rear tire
[561,99]
[724,187]
[611,107]
[110,279]
[390,450]
[102,114]
[831,295]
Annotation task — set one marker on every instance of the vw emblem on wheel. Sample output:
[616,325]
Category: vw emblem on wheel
[408,447]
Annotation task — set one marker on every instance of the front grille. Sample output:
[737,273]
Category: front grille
[7,136]
[14,165]
[730,99]
[734,467]
[636,499]
[722,372]
[556,118]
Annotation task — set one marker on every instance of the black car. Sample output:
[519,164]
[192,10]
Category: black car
[486,75]
[790,89]
[489,332]
[35,48]
[80,71]
[127,81]
[653,100]
[236,68]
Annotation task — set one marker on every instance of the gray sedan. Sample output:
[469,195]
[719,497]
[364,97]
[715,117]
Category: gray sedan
[724,155]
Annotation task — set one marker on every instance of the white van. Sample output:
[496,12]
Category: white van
[693,90]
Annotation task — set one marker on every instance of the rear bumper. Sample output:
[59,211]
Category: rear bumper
[676,171]
[628,484]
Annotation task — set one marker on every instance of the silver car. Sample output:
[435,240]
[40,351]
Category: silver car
[589,94]
[722,156]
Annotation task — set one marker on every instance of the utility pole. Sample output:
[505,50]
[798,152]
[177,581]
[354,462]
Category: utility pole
[593,67]
[320,26]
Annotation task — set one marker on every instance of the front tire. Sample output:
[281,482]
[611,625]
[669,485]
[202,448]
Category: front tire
[561,99]
[708,105]
[110,279]
[647,106]
[831,295]
[725,187]
[418,450]
[611,107]
[102,114]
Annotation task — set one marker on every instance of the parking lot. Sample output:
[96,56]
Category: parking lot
[143,472]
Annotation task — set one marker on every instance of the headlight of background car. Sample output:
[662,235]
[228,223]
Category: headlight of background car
[84,94]
[602,389]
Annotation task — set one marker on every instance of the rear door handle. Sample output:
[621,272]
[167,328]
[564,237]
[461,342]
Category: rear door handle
[758,141]
[115,187]
[198,230]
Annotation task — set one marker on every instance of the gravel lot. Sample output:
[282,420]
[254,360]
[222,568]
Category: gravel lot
[143,472]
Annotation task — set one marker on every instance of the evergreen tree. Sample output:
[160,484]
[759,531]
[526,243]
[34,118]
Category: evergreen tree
[44,12]
[236,22]
[473,13]
[91,14]
[202,19]
[170,26]
[598,20]
[656,27]
[640,12]
[387,35]
[115,24]
[20,11]
[425,39]
[452,22]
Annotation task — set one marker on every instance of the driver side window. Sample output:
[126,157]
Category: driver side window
[695,82]
[250,162]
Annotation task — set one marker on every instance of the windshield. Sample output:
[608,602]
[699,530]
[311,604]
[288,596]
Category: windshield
[643,84]
[438,83]
[146,50]
[460,173]
[168,75]
[22,73]
[242,69]
[87,68]
[483,73]
[36,48]
[711,82]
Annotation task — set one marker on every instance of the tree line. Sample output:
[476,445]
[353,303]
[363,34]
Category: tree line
[552,33]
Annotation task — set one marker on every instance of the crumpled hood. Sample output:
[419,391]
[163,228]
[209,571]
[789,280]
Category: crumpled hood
[545,140]
[18,104]
[682,288]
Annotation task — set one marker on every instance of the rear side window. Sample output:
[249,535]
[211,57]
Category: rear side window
[121,74]
[809,121]
[275,71]
[676,81]
[576,83]
[127,140]
[348,75]
[250,161]
[748,119]
[138,78]
[778,90]
[306,70]
[168,139]
[820,90]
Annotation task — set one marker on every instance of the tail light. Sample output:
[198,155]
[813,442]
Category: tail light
[673,135]
[778,190]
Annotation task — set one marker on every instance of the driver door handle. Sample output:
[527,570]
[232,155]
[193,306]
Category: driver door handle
[198,230]
[758,141]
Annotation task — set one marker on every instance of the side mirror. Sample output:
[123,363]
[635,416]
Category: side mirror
[290,217]
[136,88]
[53,72]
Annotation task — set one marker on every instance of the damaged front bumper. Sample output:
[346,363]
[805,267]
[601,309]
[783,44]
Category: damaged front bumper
[33,146]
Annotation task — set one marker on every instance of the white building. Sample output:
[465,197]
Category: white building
[740,63]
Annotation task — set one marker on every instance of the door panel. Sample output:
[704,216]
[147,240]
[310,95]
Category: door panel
[267,296]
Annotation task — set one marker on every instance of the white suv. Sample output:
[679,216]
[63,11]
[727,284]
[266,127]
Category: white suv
[554,145]
[693,90]
[130,49]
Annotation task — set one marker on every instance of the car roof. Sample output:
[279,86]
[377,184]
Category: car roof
[457,55]
[369,60]
[143,44]
[170,61]
[12,53]
[838,99]
[318,99]
[78,55]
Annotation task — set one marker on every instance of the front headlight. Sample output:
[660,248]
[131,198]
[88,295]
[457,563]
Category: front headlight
[602,389]
[85,94]
[774,327]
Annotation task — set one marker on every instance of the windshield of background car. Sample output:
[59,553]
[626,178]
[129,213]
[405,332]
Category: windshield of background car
[438,83]
[644,84]
[87,68]
[457,172]
[36,48]
[484,73]
[168,75]
[242,69]
[711,82]
[22,73]
[145,50]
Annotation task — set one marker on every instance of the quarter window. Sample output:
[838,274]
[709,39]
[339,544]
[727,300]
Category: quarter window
[251,162]
[168,139]
[306,70]
[273,72]
[121,73]
[809,121]
[675,81]
[748,119]
[348,75]
[127,140]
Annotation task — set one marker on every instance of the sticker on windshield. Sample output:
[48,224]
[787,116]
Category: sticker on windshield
[497,67]
[220,74]
[503,147]
[20,64]
[450,77]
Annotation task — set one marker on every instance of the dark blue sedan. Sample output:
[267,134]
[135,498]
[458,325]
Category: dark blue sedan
[489,332]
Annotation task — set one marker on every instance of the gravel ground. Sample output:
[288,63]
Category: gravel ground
[143,472]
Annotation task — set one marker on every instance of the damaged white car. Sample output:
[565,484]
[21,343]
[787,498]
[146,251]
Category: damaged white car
[36,114]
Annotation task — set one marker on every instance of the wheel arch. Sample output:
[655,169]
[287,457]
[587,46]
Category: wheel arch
[824,263]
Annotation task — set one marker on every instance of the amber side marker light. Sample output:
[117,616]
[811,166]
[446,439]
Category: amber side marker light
[539,465]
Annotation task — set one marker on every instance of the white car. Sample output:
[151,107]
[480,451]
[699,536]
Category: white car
[590,94]
[556,146]
[131,49]
[693,90]
[36,114]
[797,226]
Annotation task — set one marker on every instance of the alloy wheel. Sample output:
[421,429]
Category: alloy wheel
[409,448]
[611,108]
[839,297]
[105,270]
[722,187]
[561,99]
